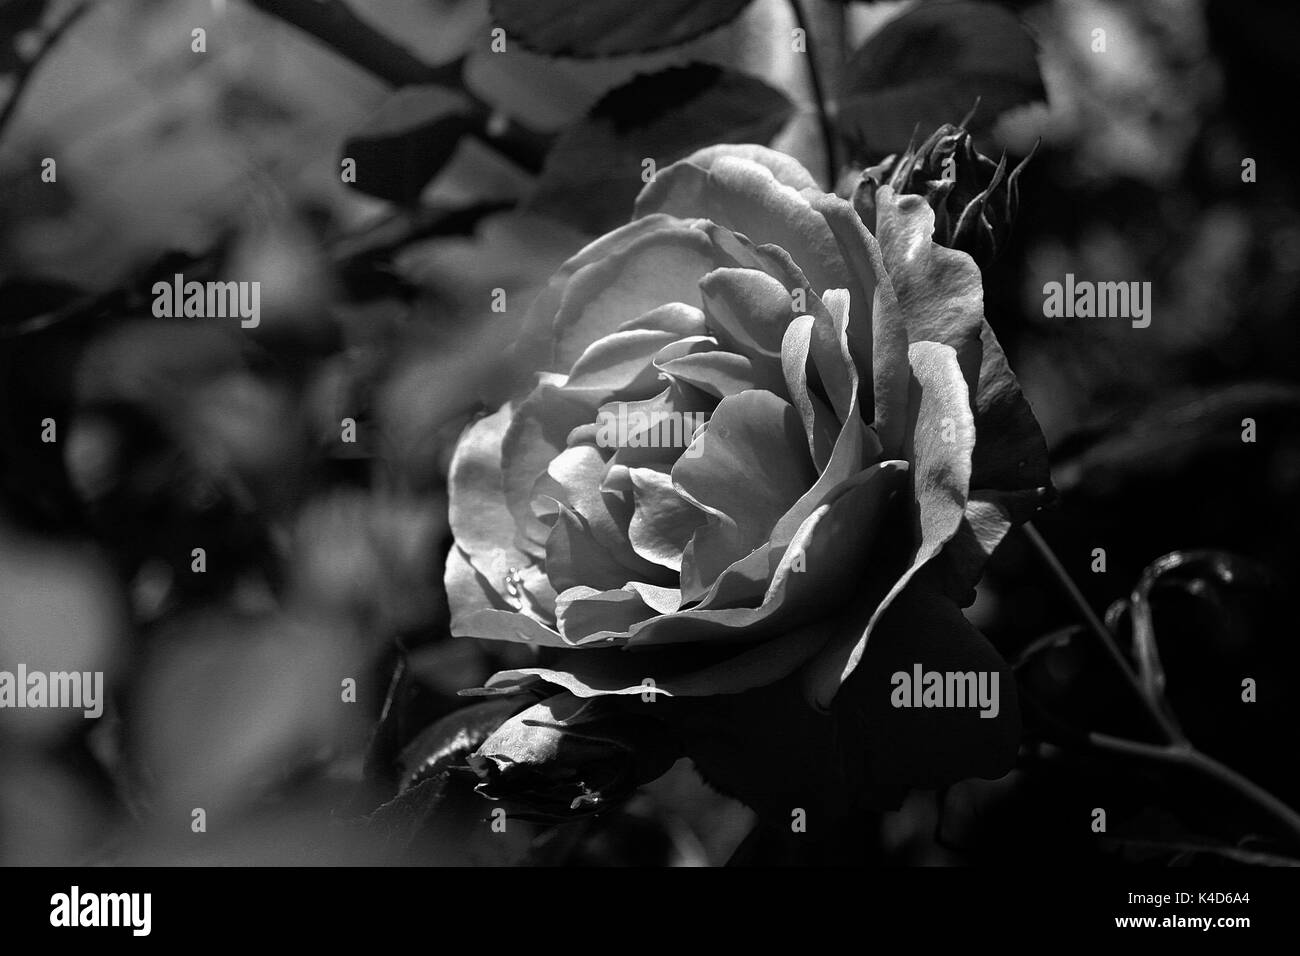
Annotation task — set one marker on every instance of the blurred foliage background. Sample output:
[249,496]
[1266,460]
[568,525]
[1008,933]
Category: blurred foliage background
[324,557]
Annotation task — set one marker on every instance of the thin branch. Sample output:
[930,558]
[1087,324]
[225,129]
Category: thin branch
[333,23]
[25,73]
[819,95]
[1184,755]
[1094,623]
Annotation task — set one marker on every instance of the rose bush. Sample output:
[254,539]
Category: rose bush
[865,446]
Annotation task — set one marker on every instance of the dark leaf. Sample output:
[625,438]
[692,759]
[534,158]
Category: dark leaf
[409,139]
[594,172]
[448,741]
[610,27]
[568,756]
[929,67]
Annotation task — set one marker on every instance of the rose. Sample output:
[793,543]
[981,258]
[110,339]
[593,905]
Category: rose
[864,447]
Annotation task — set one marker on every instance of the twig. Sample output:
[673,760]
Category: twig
[24,74]
[819,96]
[1170,732]
[1184,755]
[1178,750]
[335,25]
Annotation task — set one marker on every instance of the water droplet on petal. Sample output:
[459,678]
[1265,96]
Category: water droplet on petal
[514,585]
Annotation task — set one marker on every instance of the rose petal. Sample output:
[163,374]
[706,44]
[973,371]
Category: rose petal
[989,515]
[589,616]
[786,169]
[747,311]
[537,343]
[877,336]
[674,673]
[819,424]
[481,523]
[855,448]
[724,373]
[677,317]
[662,520]
[939,289]
[480,520]
[605,515]
[751,468]
[537,433]
[575,559]
[619,366]
[747,198]
[716,668]
[1010,452]
[939,445]
[831,352]
[477,610]
[680,405]
[927,747]
[836,541]
[663,266]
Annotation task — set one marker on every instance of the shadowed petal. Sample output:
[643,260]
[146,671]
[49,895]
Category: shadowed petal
[939,445]
[619,366]
[578,472]
[752,466]
[723,374]
[907,747]
[747,311]
[590,616]
[819,424]
[878,334]
[662,520]
[1010,453]
[575,559]
[537,433]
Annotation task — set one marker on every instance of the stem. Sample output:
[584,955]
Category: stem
[1178,750]
[24,75]
[334,24]
[1170,732]
[1184,755]
[819,95]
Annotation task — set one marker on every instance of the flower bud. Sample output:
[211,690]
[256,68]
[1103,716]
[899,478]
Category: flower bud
[569,756]
[974,199]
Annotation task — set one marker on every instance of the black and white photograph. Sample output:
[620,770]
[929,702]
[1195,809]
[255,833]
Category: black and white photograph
[642,434]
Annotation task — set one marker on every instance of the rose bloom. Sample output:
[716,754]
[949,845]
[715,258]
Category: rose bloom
[768,443]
